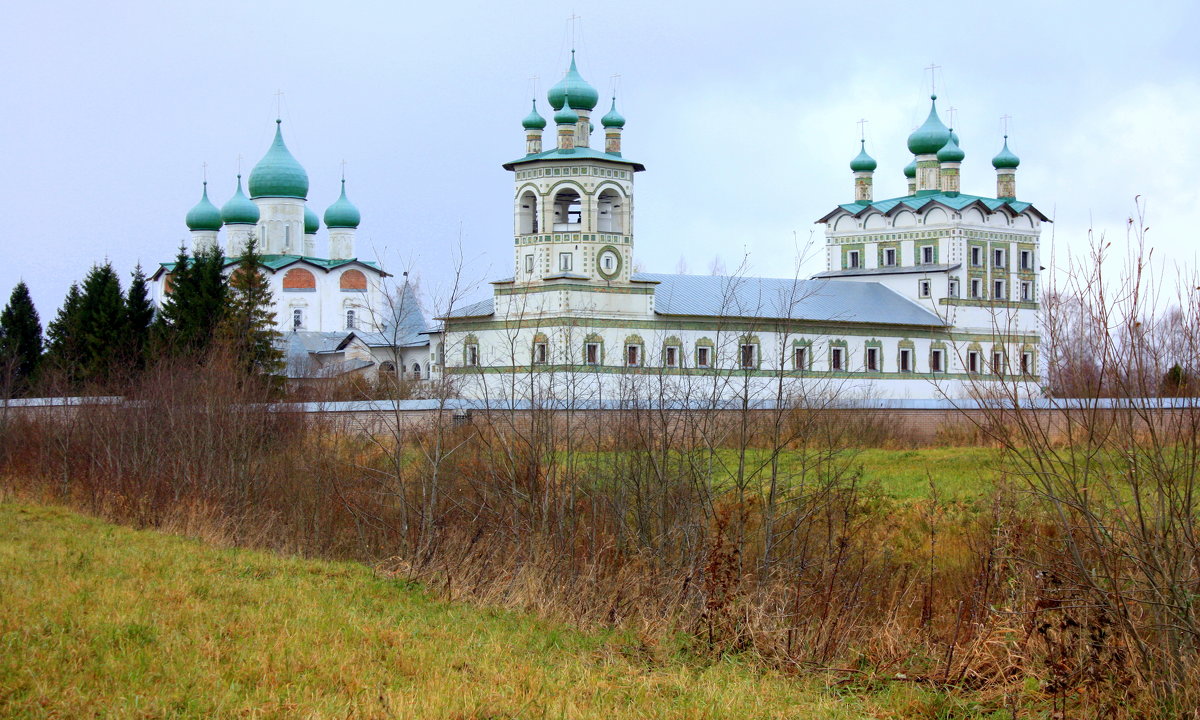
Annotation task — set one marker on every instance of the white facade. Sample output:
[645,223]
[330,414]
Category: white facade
[929,295]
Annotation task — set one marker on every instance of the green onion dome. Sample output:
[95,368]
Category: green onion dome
[951,152]
[311,223]
[342,213]
[240,210]
[863,162]
[613,119]
[205,215]
[1006,159]
[573,84]
[278,174]
[534,120]
[910,170]
[930,137]
[566,116]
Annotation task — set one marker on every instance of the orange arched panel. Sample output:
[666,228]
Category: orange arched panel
[354,280]
[299,279]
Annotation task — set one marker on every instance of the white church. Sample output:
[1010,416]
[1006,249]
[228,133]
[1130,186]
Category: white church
[933,294]
[337,314]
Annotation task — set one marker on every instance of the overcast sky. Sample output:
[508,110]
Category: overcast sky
[743,113]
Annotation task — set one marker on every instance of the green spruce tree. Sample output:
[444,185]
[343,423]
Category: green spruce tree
[139,315]
[194,304]
[65,336]
[248,326]
[20,340]
[102,322]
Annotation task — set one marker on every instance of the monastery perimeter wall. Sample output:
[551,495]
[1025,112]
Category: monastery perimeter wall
[888,422]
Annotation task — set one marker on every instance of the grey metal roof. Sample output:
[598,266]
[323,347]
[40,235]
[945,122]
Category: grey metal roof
[892,270]
[816,300]
[785,299]
[405,324]
[482,308]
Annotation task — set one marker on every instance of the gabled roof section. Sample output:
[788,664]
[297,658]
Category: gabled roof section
[953,201]
[574,155]
[893,270]
[815,300]
[404,324]
[278,262]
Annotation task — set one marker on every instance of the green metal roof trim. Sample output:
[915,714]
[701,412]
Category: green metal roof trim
[277,262]
[574,155]
[954,201]
[205,215]
[278,174]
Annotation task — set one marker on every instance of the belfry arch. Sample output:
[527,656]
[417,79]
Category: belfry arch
[528,219]
[611,212]
[568,209]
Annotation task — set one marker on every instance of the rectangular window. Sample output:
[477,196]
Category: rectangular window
[923,287]
[872,359]
[529,264]
[592,353]
[633,355]
[936,361]
[800,358]
[998,257]
[1026,260]
[976,288]
[703,357]
[297,318]
[748,353]
[1026,363]
[472,355]
[906,360]
[564,261]
[953,287]
[671,356]
[852,259]
[927,255]
[976,256]
[998,289]
[1026,291]
[889,256]
[998,363]
[539,353]
[836,358]
[972,361]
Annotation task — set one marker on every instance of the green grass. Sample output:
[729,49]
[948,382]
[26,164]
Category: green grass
[959,473]
[98,620]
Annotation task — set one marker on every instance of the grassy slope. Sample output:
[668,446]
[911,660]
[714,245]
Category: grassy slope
[103,621]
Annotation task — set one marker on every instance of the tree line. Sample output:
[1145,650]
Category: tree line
[103,337]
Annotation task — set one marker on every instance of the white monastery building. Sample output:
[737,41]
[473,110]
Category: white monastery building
[336,313]
[933,294]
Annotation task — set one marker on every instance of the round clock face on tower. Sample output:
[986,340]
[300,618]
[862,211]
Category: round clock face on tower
[608,263]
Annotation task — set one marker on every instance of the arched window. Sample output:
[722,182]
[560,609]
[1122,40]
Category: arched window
[299,279]
[350,320]
[387,367]
[417,370]
[297,319]
[353,280]
[611,209]
[568,210]
[527,214]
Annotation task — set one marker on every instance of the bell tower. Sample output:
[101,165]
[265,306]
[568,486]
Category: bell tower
[573,203]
